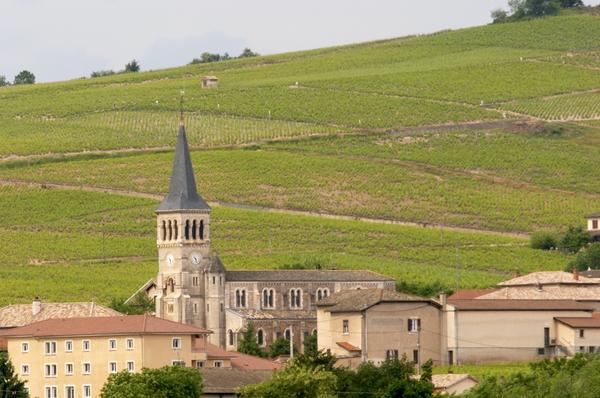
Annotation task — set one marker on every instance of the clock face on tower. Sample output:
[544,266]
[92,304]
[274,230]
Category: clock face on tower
[170,260]
[195,258]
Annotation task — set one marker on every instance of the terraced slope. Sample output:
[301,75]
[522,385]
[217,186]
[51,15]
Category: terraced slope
[365,131]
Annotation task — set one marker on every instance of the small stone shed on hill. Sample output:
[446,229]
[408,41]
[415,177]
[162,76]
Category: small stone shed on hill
[210,82]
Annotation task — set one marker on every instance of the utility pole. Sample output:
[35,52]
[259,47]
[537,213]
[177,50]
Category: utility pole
[419,350]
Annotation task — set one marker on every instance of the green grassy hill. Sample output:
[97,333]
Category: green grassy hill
[425,130]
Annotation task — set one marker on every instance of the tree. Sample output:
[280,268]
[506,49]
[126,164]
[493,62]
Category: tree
[293,381]
[571,3]
[542,240]
[247,53]
[10,385]
[588,258]
[102,73]
[3,81]
[169,381]
[499,15]
[281,346]
[24,77]
[248,344]
[139,305]
[541,7]
[133,66]
[574,239]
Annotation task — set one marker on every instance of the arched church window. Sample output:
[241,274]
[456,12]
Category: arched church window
[260,337]
[287,334]
[230,332]
[170,230]
[295,298]
[194,229]
[244,298]
[237,298]
[175,231]
[202,229]
[268,298]
[187,230]
[164,230]
[319,294]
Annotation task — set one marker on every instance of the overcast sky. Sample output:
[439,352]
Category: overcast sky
[67,39]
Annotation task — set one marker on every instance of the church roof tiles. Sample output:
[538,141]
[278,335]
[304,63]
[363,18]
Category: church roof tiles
[305,276]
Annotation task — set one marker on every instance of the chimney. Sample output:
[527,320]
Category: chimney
[576,274]
[443,299]
[36,307]
[516,274]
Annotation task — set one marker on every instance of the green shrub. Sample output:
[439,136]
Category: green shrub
[542,240]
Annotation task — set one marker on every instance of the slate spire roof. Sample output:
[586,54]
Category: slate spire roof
[183,194]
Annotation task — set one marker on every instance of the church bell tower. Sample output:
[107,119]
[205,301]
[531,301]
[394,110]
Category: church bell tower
[190,281]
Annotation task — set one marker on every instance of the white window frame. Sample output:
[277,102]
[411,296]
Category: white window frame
[25,347]
[130,344]
[345,326]
[200,364]
[25,369]
[69,346]
[112,367]
[50,391]
[293,304]
[86,391]
[50,348]
[112,344]
[131,366]
[89,366]
[67,364]
[218,364]
[50,370]
[72,389]
[86,345]
[176,343]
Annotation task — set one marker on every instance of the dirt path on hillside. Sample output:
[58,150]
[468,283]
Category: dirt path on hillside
[260,208]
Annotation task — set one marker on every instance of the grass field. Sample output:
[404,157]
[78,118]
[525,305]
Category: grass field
[313,131]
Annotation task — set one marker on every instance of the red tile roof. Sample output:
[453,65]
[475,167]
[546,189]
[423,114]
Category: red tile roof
[347,346]
[470,294]
[114,325]
[238,359]
[577,322]
[22,314]
[519,305]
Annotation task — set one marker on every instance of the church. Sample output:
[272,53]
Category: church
[194,287]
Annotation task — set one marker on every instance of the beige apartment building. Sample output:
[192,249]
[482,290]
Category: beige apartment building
[374,324]
[73,357]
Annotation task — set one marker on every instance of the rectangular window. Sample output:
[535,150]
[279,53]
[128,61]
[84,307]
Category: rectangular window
[51,392]
[414,324]
[87,391]
[68,369]
[170,308]
[581,333]
[195,280]
[416,357]
[68,346]
[86,345]
[112,367]
[218,364]
[130,344]
[200,364]
[112,344]
[70,392]
[450,357]
[392,354]
[50,369]
[50,348]
[541,351]
[176,343]
[345,328]
[594,224]
[24,370]
[130,366]
[24,347]
[87,368]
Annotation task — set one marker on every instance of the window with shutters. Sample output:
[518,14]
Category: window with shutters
[414,324]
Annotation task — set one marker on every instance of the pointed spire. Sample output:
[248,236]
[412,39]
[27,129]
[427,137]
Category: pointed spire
[183,194]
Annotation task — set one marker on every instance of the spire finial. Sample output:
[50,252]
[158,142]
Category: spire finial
[181,109]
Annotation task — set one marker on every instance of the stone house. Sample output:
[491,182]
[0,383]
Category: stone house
[210,82]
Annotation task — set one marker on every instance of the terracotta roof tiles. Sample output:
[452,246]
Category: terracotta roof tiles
[568,292]
[470,294]
[580,322]
[115,325]
[548,278]
[226,380]
[20,315]
[359,300]
[305,276]
[519,305]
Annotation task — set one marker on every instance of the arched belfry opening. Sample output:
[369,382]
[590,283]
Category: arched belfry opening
[202,229]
